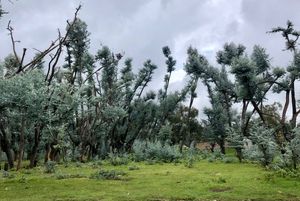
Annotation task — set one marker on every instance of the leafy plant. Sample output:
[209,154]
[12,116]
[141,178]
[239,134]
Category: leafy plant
[263,138]
[133,168]
[50,167]
[116,159]
[69,176]
[155,151]
[108,175]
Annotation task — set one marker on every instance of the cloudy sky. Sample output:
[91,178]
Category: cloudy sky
[140,28]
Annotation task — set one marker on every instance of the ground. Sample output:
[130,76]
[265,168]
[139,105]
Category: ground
[203,181]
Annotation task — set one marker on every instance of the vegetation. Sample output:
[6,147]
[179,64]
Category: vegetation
[204,181]
[86,110]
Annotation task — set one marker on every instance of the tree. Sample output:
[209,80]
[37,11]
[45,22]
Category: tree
[216,122]
[195,66]
[288,85]
[19,113]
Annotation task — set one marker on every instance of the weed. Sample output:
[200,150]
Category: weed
[108,175]
[50,167]
[133,168]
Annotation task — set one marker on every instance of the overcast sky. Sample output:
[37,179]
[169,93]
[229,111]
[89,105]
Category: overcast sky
[140,28]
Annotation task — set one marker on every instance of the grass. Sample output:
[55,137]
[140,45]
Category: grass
[204,181]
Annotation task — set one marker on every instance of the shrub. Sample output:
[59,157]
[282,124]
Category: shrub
[133,168]
[294,148]
[221,180]
[217,155]
[228,160]
[96,164]
[269,177]
[211,159]
[191,157]
[78,164]
[8,175]
[263,138]
[252,153]
[204,154]
[116,160]
[214,156]
[189,163]
[151,162]
[68,176]
[50,167]
[27,171]
[108,175]
[23,179]
[235,140]
[155,151]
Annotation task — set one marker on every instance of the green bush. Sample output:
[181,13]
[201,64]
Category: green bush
[292,173]
[23,179]
[214,156]
[191,156]
[189,163]
[291,157]
[264,141]
[78,164]
[108,175]
[144,151]
[133,168]
[50,167]
[228,160]
[69,176]
[211,159]
[96,164]
[115,159]
[8,175]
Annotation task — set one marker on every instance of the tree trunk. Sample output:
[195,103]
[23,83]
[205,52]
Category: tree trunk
[34,151]
[212,147]
[239,154]
[258,111]
[47,153]
[222,146]
[294,109]
[6,146]
[21,144]
[243,117]
[283,116]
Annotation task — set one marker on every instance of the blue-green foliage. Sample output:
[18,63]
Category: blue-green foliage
[144,150]
[265,147]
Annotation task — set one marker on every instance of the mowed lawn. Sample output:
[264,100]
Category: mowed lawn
[204,181]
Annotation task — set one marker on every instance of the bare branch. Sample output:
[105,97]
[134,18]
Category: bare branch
[96,71]
[13,42]
[55,45]
[22,59]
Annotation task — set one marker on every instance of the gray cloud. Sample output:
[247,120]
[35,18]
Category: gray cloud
[142,28]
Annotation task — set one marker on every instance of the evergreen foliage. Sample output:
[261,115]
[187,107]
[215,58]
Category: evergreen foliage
[97,106]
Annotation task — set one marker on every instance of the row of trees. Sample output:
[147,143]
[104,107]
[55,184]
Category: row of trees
[93,105]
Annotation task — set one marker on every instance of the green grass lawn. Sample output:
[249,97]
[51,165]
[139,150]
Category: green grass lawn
[204,181]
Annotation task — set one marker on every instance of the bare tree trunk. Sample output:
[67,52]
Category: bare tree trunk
[283,115]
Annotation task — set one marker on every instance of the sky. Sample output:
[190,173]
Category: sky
[140,28]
